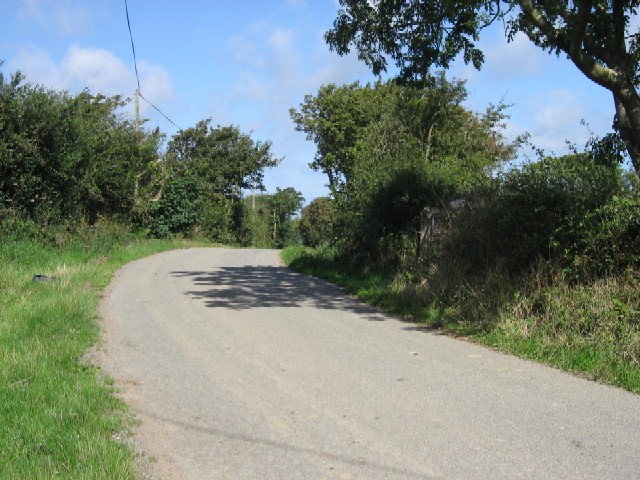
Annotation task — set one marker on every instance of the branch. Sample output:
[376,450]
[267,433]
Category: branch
[619,26]
[584,9]
[541,23]
[587,64]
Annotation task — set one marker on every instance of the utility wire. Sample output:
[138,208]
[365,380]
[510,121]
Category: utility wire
[133,48]
[159,111]
[135,64]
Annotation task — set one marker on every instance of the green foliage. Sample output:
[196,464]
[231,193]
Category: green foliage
[203,174]
[390,150]
[226,159]
[267,219]
[64,156]
[598,37]
[284,204]
[317,222]
[218,217]
[608,239]
[70,160]
[334,120]
[415,34]
[177,211]
[257,221]
[538,209]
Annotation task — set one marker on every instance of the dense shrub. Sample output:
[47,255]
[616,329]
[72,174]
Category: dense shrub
[389,150]
[66,156]
[537,211]
[177,210]
[608,239]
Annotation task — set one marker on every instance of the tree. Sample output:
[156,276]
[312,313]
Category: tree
[391,149]
[206,171]
[361,131]
[333,120]
[227,159]
[284,204]
[317,220]
[339,119]
[596,35]
[268,218]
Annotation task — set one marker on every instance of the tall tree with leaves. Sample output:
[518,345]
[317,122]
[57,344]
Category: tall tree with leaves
[224,157]
[284,204]
[207,168]
[598,36]
[337,119]
[361,131]
[396,149]
[317,221]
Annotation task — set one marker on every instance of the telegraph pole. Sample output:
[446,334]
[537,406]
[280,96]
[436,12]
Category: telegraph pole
[137,110]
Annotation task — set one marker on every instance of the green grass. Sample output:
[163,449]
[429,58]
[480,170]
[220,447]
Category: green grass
[58,419]
[592,329]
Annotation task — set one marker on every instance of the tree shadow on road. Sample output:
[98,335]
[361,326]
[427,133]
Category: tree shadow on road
[247,287]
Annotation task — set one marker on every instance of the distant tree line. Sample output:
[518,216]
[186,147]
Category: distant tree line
[76,159]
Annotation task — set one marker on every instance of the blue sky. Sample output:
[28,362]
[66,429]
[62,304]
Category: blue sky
[246,62]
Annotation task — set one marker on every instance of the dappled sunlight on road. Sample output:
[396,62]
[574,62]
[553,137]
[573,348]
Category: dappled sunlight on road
[246,287]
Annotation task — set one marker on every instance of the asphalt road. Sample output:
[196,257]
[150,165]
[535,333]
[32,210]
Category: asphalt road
[240,369]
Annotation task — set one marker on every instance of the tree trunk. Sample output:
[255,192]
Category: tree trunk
[628,124]
[427,155]
[275,226]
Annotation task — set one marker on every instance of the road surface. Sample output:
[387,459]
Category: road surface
[240,369]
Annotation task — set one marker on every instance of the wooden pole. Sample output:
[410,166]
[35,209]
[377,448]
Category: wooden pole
[137,110]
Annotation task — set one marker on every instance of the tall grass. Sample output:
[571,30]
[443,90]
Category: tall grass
[591,328]
[57,418]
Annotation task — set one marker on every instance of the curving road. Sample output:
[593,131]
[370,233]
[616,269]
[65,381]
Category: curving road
[240,369]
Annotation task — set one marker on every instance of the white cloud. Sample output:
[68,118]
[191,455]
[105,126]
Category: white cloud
[155,82]
[281,40]
[517,58]
[266,88]
[558,108]
[296,3]
[249,87]
[277,67]
[97,69]
[39,68]
[68,17]
[557,117]
[339,70]
[246,49]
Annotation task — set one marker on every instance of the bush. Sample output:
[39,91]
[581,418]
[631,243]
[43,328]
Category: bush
[609,240]
[178,209]
[540,208]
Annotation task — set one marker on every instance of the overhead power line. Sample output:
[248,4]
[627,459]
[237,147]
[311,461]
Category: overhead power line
[133,48]
[135,64]
[159,111]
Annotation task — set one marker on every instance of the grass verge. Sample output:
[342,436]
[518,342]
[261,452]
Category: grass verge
[57,418]
[592,329]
